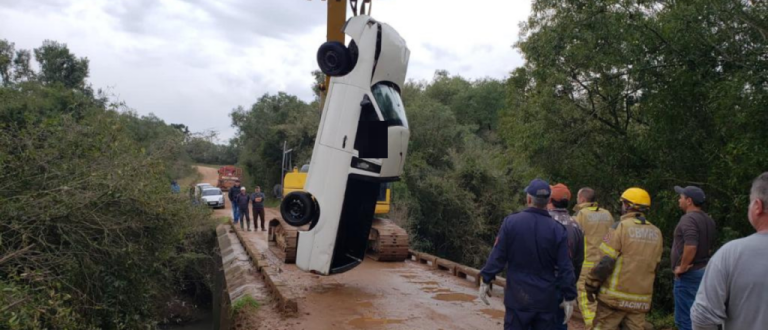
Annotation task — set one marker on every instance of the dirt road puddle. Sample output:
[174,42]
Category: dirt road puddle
[368,322]
[494,313]
[454,297]
[365,304]
[436,290]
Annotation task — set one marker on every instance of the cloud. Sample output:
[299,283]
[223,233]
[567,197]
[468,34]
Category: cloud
[193,61]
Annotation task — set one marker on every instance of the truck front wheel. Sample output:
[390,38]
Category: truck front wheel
[297,208]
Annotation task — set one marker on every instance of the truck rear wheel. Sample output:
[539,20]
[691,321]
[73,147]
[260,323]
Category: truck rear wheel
[298,208]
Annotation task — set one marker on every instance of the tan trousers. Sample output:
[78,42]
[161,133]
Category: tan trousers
[586,308]
[608,318]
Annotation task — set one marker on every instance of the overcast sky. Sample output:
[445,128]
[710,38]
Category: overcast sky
[193,61]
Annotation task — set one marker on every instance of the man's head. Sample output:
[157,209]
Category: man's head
[585,195]
[538,193]
[635,200]
[758,203]
[242,190]
[560,196]
[257,189]
[237,183]
[691,198]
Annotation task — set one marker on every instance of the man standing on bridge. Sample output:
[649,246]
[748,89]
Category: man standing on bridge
[232,194]
[534,247]
[242,201]
[595,222]
[623,279]
[558,210]
[257,200]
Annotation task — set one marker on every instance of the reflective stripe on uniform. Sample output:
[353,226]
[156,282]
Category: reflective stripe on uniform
[616,271]
[587,264]
[626,296]
[608,250]
[586,313]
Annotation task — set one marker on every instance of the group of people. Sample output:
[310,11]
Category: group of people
[556,262]
[241,211]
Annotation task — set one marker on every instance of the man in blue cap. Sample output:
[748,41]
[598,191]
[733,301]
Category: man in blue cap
[534,247]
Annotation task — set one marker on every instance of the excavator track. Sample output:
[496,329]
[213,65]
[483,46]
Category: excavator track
[283,240]
[387,241]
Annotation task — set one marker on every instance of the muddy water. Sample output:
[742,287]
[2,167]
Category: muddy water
[455,297]
[494,313]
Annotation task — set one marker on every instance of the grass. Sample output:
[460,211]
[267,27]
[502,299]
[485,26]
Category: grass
[272,202]
[216,166]
[662,320]
[188,181]
[245,302]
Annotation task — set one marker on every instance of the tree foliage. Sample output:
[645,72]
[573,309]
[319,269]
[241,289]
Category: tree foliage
[91,236]
[653,94]
[263,129]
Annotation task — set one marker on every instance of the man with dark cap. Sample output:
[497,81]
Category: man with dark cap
[693,245]
[534,248]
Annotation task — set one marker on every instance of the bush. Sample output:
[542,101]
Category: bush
[89,219]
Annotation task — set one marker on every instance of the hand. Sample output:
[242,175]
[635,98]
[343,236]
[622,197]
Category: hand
[567,306]
[591,292]
[680,270]
[484,292]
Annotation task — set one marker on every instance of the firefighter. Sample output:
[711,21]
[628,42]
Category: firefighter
[595,222]
[622,282]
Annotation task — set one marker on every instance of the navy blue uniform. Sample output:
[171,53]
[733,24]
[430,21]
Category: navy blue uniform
[534,247]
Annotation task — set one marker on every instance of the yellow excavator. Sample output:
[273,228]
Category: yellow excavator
[386,241]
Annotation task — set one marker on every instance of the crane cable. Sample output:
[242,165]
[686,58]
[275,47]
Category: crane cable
[353,5]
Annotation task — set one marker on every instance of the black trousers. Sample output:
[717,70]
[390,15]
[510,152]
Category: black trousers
[245,214]
[258,213]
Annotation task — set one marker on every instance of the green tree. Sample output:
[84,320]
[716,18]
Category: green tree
[653,94]
[262,130]
[59,65]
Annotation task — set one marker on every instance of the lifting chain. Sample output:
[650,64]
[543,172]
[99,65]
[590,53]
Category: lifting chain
[353,4]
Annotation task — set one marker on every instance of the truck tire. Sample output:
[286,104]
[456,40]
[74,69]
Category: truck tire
[335,59]
[298,208]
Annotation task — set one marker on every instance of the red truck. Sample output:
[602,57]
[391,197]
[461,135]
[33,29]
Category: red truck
[228,175]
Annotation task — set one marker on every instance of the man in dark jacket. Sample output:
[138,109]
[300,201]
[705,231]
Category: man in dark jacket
[534,248]
[558,210]
[257,202]
[232,194]
[242,201]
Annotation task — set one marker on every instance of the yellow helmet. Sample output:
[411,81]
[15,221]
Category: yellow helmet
[636,197]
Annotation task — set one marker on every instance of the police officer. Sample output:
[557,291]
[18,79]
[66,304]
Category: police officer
[534,248]
[623,279]
[595,221]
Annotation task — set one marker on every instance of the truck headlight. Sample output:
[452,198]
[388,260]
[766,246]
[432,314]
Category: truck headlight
[365,165]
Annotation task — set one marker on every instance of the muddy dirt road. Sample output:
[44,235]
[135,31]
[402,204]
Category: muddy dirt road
[376,295]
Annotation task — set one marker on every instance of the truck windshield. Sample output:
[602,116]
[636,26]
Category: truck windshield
[390,103]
